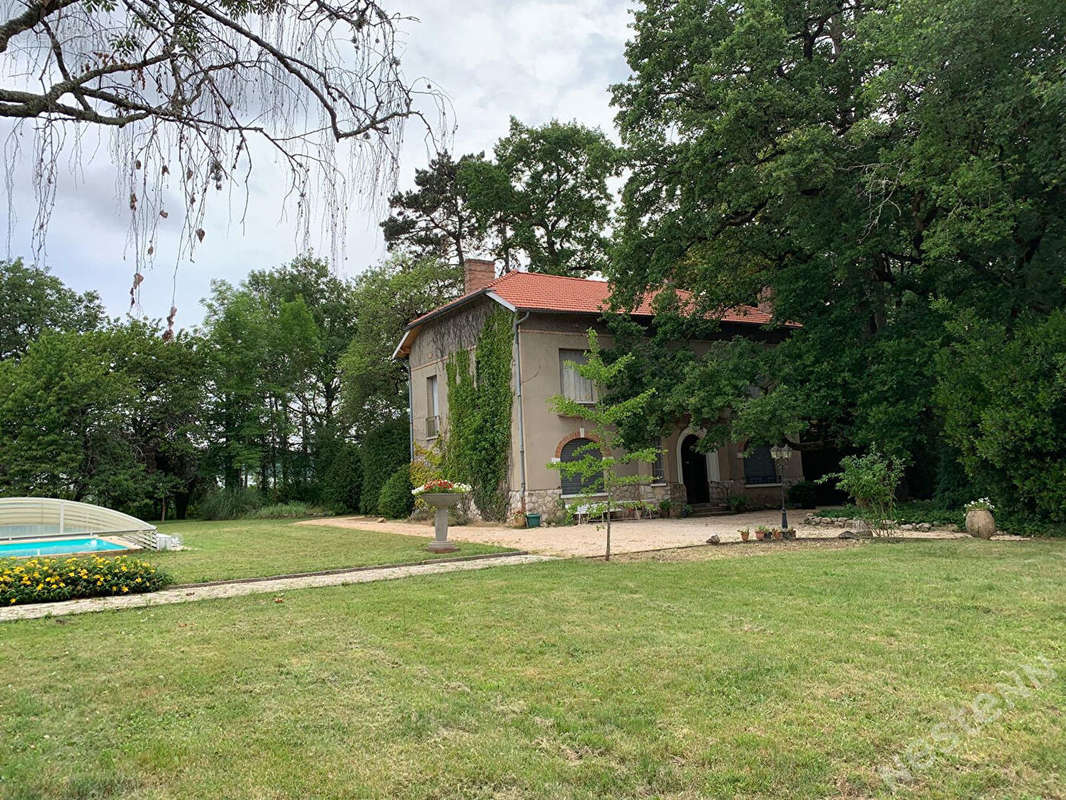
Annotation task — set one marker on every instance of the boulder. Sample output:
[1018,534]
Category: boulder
[715,539]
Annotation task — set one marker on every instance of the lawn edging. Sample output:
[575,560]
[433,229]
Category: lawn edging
[343,570]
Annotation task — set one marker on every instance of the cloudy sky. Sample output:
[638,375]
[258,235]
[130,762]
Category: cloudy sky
[493,59]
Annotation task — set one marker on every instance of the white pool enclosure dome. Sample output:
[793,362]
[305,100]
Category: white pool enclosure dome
[48,517]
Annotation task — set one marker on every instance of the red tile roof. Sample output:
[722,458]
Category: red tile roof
[533,291]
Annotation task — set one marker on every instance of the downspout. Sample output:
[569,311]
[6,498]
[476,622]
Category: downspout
[410,412]
[521,415]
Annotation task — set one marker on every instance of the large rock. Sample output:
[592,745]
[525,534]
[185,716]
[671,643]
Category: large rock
[980,523]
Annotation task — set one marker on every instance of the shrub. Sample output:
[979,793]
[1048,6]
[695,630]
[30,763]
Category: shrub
[803,494]
[395,500]
[287,511]
[46,580]
[230,503]
[384,450]
[871,481]
[738,503]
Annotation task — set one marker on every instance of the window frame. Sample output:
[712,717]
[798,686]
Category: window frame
[777,477]
[433,405]
[575,356]
[660,478]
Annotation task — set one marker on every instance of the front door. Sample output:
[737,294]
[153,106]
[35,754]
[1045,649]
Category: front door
[694,471]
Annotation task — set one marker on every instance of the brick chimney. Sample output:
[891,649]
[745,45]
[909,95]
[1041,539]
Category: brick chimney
[766,300]
[477,274]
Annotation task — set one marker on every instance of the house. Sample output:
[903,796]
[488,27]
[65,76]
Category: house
[552,315]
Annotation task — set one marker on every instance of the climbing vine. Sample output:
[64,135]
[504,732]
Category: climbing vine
[479,415]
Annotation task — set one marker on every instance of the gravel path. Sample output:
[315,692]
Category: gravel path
[630,536]
[188,594]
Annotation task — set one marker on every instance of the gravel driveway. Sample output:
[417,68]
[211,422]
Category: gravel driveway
[631,536]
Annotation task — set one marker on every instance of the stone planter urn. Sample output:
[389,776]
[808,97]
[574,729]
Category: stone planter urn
[441,502]
[980,523]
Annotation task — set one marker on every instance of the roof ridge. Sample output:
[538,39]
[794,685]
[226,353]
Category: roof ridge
[546,275]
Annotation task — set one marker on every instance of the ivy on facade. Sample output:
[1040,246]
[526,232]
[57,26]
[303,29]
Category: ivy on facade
[479,415]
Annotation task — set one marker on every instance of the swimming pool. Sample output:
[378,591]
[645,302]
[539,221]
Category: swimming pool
[54,547]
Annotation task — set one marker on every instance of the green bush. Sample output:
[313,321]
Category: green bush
[230,503]
[287,511]
[803,494]
[1003,398]
[384,450]
[396,500]
[738,503]
[47,580]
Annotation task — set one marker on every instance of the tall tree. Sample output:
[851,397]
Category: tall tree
[111,416]
[33,301]
[544,201]
[388,297]
[550,186]
[434,220]
[880,167]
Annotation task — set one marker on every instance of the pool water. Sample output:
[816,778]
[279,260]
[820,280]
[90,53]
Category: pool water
[57,547]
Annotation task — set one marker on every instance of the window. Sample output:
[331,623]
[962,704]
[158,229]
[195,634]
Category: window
[432,408]
[574,450]
[575,386]
[759,469]
[658,468]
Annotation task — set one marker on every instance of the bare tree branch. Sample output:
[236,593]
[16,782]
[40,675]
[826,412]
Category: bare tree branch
[184,86]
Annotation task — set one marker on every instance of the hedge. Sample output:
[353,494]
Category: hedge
[384,450]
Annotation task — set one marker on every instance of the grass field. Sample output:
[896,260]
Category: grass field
[259,548]
[788,675]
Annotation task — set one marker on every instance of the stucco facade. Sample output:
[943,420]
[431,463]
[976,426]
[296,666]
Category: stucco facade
[539,435]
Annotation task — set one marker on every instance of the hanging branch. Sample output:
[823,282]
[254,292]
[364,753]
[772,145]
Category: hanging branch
[184,88]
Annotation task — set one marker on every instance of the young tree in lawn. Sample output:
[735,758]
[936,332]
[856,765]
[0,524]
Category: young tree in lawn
[598,467]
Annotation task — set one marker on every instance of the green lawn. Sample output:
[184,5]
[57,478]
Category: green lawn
[256,548]
[795,674]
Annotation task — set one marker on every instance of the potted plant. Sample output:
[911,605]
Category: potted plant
[744,534]
[778,534]
[979,519]
[441,495]
[761,533]
[664,508]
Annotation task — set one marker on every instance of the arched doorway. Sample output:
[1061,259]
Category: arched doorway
[694,471]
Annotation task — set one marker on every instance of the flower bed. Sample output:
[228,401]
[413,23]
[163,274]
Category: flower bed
[47,580]
[441,487]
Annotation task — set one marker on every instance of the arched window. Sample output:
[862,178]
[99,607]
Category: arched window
[575,450]
[759,468]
